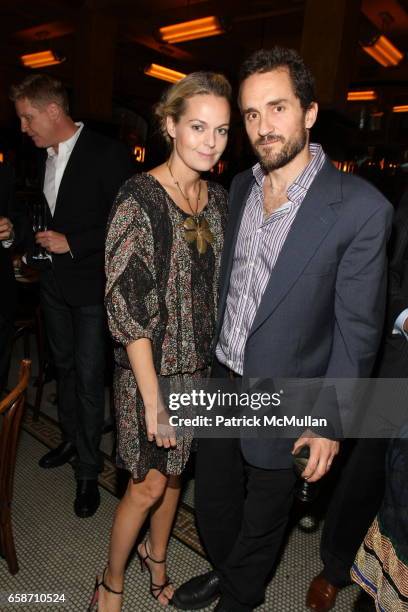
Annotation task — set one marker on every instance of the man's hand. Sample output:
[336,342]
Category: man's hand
[54,242]
[322,453]
[6,229]
[405,326]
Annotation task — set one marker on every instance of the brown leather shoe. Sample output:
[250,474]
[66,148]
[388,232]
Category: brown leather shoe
[321,595]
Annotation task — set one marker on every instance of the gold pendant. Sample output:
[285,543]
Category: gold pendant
[199,231]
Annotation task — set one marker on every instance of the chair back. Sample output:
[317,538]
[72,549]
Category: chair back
[11,413]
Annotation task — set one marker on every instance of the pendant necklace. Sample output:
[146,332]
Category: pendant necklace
[195,230]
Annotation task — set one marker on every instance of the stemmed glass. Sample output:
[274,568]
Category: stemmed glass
[304,491]
[40,225]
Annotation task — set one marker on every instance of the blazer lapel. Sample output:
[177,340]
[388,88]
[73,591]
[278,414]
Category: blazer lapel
[237,206]
[313,221]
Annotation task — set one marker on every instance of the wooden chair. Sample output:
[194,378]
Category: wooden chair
[11,413]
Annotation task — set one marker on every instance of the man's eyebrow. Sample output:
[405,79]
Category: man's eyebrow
[250,109]
[275,102]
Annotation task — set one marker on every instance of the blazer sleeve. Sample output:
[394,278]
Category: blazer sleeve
[14,209]
[360,299]
[116,167]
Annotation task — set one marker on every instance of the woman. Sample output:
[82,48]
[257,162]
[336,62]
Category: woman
[381,565]
[162,260]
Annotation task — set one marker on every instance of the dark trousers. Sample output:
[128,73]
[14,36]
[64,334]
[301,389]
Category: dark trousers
[6,338]
[353,506]
[77,338]
[242,512]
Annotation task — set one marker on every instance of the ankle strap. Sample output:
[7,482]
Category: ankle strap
[107,587]
[151,558]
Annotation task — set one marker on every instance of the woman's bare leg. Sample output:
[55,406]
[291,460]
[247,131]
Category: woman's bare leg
[130,515]
[161,520]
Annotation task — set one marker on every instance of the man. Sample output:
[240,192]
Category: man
[82,174]
[9,221]
[355,501]
[302,296]
[360,489]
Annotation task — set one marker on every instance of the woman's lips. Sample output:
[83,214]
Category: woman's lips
[207,155]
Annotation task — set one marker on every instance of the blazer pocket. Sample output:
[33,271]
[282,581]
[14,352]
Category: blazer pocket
[321,268]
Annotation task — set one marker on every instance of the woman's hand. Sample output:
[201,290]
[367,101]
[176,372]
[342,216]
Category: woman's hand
[158,427]
[156,415]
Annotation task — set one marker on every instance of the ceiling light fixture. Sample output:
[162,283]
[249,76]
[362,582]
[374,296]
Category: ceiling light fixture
[41,59]
[358,96]
[190,30]
[163,73]
[402,108]
[383,51]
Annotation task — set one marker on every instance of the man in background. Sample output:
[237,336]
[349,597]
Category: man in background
[9,222]
[81,174]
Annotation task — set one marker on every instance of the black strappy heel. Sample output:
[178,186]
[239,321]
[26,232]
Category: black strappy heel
[94,602]
[155,589]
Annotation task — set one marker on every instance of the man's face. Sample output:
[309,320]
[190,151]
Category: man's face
[275,122]
[37,122]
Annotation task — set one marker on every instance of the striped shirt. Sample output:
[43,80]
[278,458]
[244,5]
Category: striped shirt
[257,249]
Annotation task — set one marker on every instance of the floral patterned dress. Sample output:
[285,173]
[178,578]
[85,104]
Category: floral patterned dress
[159,287]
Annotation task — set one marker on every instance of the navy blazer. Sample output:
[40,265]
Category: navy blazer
[95,171]
[321,315]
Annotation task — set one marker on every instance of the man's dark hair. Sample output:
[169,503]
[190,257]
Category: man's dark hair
[266,60]
[41,89]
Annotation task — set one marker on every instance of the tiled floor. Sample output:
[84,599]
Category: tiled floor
[60,553]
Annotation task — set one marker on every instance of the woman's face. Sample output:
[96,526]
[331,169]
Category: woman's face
[201,133]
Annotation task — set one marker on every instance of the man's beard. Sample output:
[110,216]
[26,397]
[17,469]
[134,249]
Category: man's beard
[291,148]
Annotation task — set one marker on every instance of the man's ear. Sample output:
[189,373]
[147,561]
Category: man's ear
[171,126]
[311,115]
[54,111]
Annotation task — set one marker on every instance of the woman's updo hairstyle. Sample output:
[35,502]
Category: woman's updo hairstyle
[173,101]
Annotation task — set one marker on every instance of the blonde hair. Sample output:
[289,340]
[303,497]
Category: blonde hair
[173,101]
[41,89]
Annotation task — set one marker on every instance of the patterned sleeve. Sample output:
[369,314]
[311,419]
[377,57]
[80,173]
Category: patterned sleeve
[131,297]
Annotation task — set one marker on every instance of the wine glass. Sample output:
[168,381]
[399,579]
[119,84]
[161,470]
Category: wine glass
[40,225]
[304,491]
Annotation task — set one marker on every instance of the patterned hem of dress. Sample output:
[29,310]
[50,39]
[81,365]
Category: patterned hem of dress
[380,573]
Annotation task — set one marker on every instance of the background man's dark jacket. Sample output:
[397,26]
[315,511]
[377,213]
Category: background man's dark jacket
[96,169]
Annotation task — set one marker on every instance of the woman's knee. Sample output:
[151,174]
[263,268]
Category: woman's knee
[148,491]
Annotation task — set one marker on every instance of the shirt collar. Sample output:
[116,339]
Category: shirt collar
[67,145]
[297,190]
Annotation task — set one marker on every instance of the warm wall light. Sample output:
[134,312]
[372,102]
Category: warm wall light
[358,96]
[189,30]
[346,166]
[41,59]
[1,157]
[139,153]
[163,73]
[219,167]
[402,108]
[383,51]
